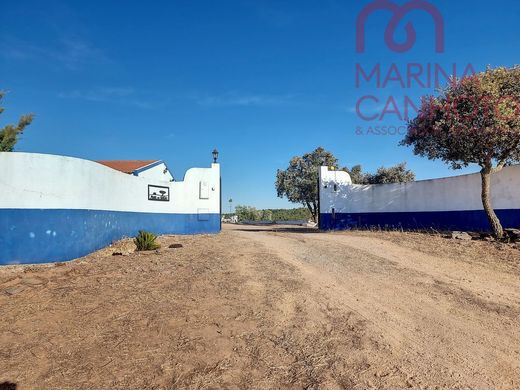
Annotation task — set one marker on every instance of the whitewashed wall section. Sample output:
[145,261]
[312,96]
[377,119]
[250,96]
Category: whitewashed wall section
[157,171]
[451,203]
[55,208]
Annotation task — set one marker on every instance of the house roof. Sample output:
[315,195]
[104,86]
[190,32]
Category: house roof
[127,166]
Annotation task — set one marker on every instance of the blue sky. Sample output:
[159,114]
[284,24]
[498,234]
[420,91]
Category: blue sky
[260,80]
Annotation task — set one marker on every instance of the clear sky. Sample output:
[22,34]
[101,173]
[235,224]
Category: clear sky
[261,80]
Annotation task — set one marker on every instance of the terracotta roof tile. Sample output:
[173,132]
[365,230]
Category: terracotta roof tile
[126,166]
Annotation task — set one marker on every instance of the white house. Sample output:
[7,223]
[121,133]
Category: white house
[150,169]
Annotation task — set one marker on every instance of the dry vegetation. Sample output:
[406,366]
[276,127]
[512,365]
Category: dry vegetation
[495,254]
[253,308]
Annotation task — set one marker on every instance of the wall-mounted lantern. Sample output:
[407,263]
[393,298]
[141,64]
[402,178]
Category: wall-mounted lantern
[215,155]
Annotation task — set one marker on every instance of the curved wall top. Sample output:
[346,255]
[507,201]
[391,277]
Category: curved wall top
[58,208]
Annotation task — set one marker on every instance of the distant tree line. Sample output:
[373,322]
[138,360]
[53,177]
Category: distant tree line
[249,213]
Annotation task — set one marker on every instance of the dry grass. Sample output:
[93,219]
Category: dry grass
[259,310]
[503,255]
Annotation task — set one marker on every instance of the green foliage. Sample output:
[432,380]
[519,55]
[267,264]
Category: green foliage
[271,214]
[298,183]
[247,213]
[396,174]
[145,241]
[9,135]
[356,174]
[266,215]
[291,214]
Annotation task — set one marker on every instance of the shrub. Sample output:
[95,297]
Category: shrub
[145,241]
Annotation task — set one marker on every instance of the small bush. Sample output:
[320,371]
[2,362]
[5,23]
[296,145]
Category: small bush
[145,241]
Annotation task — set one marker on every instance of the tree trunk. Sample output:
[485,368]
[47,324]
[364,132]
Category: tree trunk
[313,211]
[486,202]
[316,211]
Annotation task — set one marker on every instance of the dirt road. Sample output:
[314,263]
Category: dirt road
[257,308]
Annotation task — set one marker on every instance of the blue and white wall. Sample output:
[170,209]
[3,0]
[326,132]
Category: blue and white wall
[452,203]
[55,208]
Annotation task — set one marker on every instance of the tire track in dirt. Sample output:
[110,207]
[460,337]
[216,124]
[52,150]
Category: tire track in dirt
[324,346]
[259,310]
[454,342]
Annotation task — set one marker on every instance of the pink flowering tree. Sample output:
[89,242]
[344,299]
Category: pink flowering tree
[475,120]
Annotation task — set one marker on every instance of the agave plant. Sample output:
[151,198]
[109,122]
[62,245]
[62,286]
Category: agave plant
[145,241]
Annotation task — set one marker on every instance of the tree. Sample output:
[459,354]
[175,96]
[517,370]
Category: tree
[247,213]
[396,174]
[299,182]
[475,120]
[10,133]
[356,174]
[267,215]
[290,214]
[251,213]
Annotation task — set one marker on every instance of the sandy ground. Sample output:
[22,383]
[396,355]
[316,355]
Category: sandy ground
[257,308]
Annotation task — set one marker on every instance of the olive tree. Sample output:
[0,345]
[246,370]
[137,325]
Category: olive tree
[475,120]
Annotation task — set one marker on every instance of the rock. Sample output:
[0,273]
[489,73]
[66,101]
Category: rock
[475,235]
[33,281]
[121,254]
[513,234]
[174,246]
[8,386]
[460,236]
[14,290]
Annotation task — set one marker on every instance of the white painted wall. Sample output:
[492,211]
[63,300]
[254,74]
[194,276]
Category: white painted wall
[447,194]
[158,173]
[44,181]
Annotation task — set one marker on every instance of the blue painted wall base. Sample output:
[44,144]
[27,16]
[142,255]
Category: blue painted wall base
[471,220]
[42,236]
